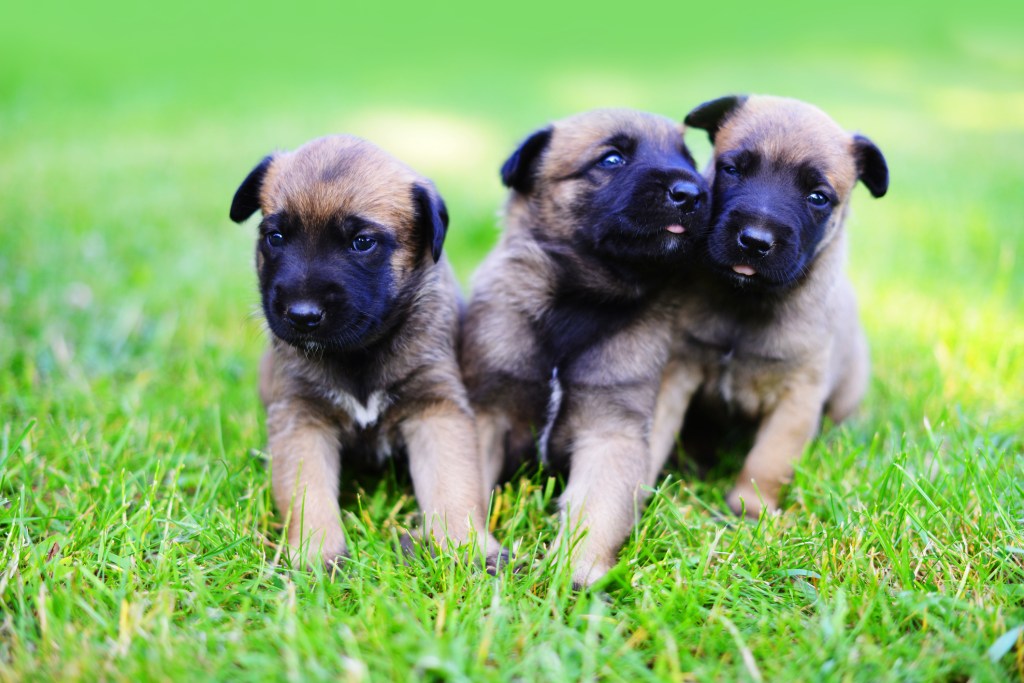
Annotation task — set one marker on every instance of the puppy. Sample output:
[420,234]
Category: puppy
[364,315]
[568,329]
[770,336]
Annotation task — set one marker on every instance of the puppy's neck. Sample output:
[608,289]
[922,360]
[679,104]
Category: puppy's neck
[373,365]
[575,263]
[357,373]
[601,280]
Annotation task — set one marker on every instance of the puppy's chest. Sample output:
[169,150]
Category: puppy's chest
[358,395]
[362,413]
[367,424]
[572,327]
[586,341]
[746,376]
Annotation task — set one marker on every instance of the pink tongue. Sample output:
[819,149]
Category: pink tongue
[676,229]
[743,270]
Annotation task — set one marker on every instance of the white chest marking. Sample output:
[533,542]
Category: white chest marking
[364,415]
[554,406]
[725,385]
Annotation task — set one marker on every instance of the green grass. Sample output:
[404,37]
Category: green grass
[138,540]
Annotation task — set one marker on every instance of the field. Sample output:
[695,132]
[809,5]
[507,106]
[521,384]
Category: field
[138,540]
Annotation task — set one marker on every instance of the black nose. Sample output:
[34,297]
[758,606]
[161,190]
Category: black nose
[684,194]
[304,316]
[754,240]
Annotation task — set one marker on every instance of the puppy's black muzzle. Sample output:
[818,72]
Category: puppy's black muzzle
[687,196]
[757,248]
[755,241]
[311,311]
[304,315]
[662,197]
[297,316]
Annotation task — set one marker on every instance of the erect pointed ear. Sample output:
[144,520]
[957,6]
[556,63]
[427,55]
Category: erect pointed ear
[431,217]
[711,115]
[519,171]
[871,167]
[247,196]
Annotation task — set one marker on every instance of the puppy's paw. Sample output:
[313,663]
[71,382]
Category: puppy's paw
[329,562]
[334,564]
[497,560]
[411,544]
[318,551]
[496,557]
[747,501]
[588,563]
[588,572]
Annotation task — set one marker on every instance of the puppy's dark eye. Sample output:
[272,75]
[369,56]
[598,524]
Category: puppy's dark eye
[612,160]
[275,239]
[730,170]
[363,244]
[818,200]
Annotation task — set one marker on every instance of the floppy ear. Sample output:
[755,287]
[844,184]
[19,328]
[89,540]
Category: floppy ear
[519,170]
[431,218]
[711,115]
[871,167]
[247,196]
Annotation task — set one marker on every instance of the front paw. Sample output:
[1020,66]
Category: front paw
[588,565]
[586,573]
[745,500]
[497,560]
[495,556]
[411,545]
[318,550]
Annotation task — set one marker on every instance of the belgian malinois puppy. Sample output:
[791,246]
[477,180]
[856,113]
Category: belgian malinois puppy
[364,316]
[770,335]
[568,329]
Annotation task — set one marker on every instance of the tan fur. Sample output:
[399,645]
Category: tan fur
[419,396]
[809,358]
[443,438]
[343,175]
[609,390]
[790,130]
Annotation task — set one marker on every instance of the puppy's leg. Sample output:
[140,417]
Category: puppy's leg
[678,384]
[491,428]
[853,375]
[446,476]
[306,465]
[780,441]
[610,462]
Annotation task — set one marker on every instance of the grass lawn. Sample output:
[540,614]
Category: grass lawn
[138,540]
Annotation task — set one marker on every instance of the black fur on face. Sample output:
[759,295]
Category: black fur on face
[628,206]
[326,289]
[634,192]
[628,194]
[768,219]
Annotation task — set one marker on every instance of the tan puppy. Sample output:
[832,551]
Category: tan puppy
[567,332]
[364,314]
[771,334]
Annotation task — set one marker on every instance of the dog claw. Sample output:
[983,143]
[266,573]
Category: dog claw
[498,560]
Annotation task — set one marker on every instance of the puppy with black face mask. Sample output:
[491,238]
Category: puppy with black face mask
[364,313]
[568,329]
[770,338]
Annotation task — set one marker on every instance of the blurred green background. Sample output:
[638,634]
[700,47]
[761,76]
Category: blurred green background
[125,128]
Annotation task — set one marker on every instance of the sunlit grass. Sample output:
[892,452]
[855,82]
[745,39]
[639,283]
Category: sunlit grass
[138,540]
